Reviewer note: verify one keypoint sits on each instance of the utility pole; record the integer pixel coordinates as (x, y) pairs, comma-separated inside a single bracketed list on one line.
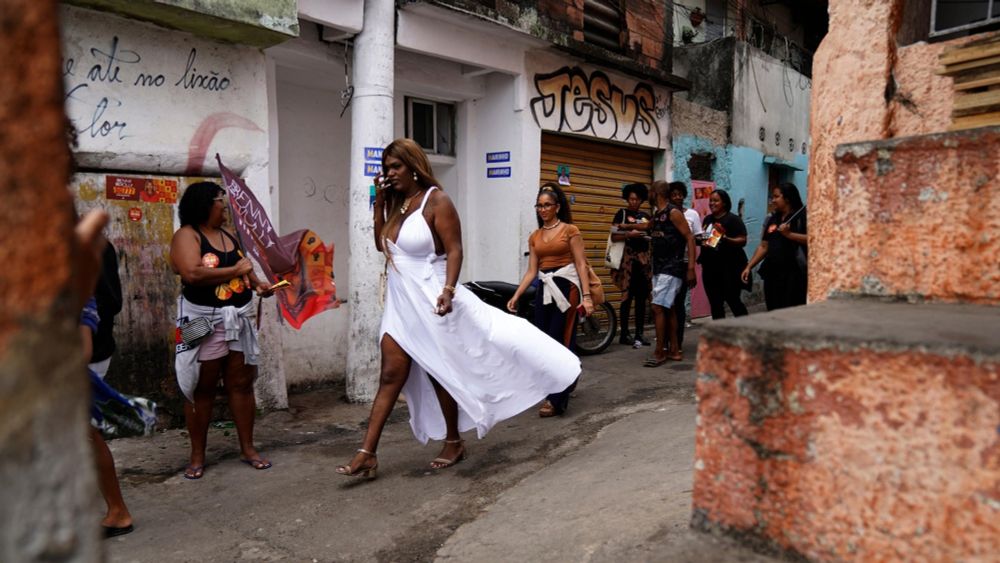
[(371, 126)]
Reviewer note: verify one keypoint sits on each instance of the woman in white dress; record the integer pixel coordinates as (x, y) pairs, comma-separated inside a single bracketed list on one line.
[(463, 364)]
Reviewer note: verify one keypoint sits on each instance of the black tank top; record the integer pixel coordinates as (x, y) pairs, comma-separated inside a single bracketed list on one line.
[(232, 293)]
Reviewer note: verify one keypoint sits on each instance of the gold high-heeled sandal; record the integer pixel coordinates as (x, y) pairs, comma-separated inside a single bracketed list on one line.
[(446, 463), (363, 471)]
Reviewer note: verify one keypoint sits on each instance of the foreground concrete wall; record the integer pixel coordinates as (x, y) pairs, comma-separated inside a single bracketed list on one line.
[(866, 88), (853, 431), (48, 495), (919, 218)]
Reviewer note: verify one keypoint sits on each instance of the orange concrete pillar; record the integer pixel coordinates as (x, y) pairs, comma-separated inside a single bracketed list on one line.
[(48, 493), (851, 69)]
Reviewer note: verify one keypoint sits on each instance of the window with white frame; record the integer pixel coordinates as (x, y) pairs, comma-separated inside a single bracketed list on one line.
[(432, 125), (950, 16)]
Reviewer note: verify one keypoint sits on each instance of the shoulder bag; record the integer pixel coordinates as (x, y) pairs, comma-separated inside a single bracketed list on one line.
[(614, 251)]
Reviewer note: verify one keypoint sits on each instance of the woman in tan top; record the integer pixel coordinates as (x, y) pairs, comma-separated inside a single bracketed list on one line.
[(558, 265)]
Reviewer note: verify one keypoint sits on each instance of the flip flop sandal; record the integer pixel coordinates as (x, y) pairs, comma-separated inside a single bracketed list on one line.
[(654, 363), (111, 531), (194, 472), (259, 464)]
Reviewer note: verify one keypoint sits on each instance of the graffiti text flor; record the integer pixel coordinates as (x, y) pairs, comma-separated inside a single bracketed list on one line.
[(569, 101)]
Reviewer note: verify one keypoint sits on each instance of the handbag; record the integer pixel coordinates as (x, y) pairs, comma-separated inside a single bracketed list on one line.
[(595, 286), (614, 252), (195, 330)]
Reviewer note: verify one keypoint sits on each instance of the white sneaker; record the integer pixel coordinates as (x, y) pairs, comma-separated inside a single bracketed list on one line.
[(637, 344)]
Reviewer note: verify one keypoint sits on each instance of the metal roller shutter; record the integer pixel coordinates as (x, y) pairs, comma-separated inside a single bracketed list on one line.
[(597, 173)]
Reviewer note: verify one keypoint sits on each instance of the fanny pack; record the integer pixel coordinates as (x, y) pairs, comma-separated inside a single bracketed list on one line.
[(196, 329)]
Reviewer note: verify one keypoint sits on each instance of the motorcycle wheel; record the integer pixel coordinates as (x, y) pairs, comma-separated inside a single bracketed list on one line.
[(595, 333)]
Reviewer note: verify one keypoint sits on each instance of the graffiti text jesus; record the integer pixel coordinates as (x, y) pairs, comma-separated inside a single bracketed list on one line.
[(569, 101)]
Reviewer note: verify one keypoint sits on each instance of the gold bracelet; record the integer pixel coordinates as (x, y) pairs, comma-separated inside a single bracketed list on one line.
[(449, 288)]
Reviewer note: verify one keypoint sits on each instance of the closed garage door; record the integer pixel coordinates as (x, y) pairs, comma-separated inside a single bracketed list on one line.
[(597, 172)]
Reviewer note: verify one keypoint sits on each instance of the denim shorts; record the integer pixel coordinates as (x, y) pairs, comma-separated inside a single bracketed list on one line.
[(665, 289)]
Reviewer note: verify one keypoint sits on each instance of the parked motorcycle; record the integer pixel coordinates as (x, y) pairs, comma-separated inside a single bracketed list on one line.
[(593, 334)]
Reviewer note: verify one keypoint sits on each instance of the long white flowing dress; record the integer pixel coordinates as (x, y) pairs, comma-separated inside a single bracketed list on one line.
[(493, 363)]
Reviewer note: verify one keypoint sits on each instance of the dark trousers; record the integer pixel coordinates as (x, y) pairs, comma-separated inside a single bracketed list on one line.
[(562, 327), (638, 293), (784, 288), (680, 311), (723, 286)]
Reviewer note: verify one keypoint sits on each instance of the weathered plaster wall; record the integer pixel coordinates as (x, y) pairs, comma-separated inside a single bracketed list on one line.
[(696, 120), (853, 431), (147, 99), (250, 22), (770, 105), (919, 217), (48, 493), (922, 101)]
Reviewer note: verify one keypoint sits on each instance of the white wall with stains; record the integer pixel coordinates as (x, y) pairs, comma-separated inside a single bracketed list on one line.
[(148, 101)]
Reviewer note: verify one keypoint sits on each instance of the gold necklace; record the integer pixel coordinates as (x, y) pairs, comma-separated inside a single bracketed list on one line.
[(556, 224), (406, 204)]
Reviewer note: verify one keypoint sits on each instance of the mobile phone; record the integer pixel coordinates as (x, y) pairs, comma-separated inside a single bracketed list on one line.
[(581, 312)]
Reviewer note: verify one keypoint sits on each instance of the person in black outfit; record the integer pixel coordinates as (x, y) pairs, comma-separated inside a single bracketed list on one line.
[(109, 304), (784, 244), (634, 273), (721, 266)]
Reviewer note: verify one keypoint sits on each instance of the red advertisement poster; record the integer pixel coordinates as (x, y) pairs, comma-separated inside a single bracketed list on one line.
[(123, 188), (159, 190)]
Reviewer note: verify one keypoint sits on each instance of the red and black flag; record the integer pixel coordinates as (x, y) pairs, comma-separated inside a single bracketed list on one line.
[(300, 258)]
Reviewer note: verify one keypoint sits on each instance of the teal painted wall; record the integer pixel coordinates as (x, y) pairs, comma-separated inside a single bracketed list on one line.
[(741, 172)]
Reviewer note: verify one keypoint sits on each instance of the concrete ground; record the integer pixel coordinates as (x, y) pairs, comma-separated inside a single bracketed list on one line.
[(610, 481)]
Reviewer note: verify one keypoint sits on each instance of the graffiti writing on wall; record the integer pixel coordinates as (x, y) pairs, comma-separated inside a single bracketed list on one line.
[(99, 81), (570, 101)]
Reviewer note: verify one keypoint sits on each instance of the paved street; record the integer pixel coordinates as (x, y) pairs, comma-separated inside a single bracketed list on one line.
[(610, 481)]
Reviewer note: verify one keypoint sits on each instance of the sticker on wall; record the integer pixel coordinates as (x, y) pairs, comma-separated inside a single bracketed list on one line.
[(493, 157), (373, 153), (562, 174), (372, 169), (135, 214), (122, 188), (498, 172), (159, 190)]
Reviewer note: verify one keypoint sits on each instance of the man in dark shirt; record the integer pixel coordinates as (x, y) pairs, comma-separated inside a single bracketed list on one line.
[(673, 257)]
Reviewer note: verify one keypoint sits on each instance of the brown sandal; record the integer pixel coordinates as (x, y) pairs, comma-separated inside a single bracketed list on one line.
[(546, 410)]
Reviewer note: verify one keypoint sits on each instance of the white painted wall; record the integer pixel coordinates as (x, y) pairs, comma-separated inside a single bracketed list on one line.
[(144, 98), (313, 146), (768, 94), (568, 97)]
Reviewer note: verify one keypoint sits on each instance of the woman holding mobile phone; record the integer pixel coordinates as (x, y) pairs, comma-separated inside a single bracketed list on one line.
[(463, 364), (556, 259)]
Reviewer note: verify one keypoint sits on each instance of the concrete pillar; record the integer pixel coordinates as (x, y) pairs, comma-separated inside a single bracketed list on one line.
[(371, 126), (49, 508)]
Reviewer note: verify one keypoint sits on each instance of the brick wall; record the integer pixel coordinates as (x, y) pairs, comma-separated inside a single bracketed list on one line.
[(647, 25)]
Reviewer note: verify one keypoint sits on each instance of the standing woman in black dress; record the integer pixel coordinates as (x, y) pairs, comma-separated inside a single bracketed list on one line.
[(634, 274), (784, 270), (721, 265)]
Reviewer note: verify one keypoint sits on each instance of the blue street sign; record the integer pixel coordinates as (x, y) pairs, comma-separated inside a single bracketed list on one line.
[(497, 157), (498, 172), (373, 153), (372, 168)]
